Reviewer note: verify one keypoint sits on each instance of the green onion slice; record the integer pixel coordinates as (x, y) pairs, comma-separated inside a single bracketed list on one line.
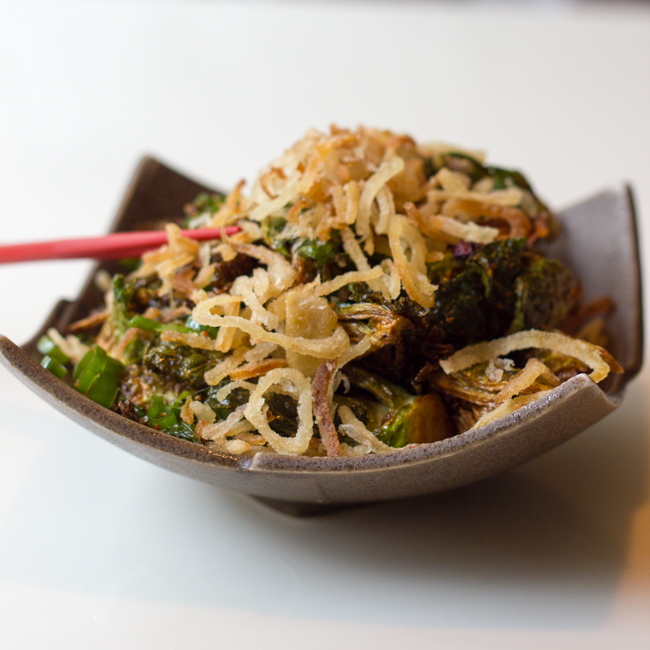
[(47, 346), (98, 376), (162, 423), (180, 400), (104, 390), (154, 326), (164, 416), (193, 326), (54, 366), (190, 327), (95, 362), (160, 415), (157, 406)]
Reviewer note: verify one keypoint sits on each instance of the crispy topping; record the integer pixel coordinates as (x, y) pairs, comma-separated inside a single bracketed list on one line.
[(356, 247), (322, 391), (592, 355), (290, 382)]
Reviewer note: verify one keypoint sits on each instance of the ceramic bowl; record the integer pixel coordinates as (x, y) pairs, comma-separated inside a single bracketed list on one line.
[(598, 242)]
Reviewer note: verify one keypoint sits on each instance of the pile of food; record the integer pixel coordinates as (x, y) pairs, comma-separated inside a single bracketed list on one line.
[(379, 294)]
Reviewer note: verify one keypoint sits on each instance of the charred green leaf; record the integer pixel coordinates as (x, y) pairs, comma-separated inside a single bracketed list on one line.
[(225, 273), (402, 418), (180, 364), (225, 407), (475, 299), (545, 294)]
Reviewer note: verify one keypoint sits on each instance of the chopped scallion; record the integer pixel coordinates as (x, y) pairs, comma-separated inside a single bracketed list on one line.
[(160, 415), (98, 376), (193, 326), (47, 346), (54, 366), (151, 325)]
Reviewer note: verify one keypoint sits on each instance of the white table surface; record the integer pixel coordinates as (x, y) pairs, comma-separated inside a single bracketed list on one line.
[(101, 550)]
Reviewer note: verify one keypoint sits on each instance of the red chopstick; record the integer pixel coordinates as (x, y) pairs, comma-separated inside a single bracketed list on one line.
[(116, 246)]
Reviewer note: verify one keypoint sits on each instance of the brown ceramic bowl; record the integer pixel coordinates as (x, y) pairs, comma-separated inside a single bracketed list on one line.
[(598, 242)]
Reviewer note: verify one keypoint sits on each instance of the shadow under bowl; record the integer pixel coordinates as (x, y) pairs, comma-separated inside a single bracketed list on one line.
[(598, 242)]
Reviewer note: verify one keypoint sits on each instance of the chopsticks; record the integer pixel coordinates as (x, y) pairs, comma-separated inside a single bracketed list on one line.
[(119, 245)]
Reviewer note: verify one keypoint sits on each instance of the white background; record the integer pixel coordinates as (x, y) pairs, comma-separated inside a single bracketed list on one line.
[(101, 550)]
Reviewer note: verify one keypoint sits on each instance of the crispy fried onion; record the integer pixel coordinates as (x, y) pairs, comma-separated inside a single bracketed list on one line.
[(223, 392), (229, 305), (233, 425), (339, 203), (324, 385), (89, 322), (525, 378), (370, 190), (226, 335), (192, 340), (206, 273), (404, 236), (386, 204), (289, 194), (223, 369), (509, 406), (509, 197), (118, 349), (392, 279), (325, 348), (592, 355), (262, 285), (281, 273), (355, 429), (256, 368), (169, 258), (260, 351), (352, 202), (71, 346), (186, 414), (355, 351), (231, 207), (309, 317), (293, 383), (266, 180), (352, 248), (251, 229), (202, 412), (451, 181), (346, 278), (470, 232), (243, 286), (518, 221), (227, 252), (322, 390)]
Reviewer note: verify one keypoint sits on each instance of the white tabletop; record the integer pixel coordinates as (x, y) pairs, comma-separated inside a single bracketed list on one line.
[(101, 550)]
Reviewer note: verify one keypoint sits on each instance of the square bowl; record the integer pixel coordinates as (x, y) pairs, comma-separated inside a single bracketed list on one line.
[(598, 241)]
